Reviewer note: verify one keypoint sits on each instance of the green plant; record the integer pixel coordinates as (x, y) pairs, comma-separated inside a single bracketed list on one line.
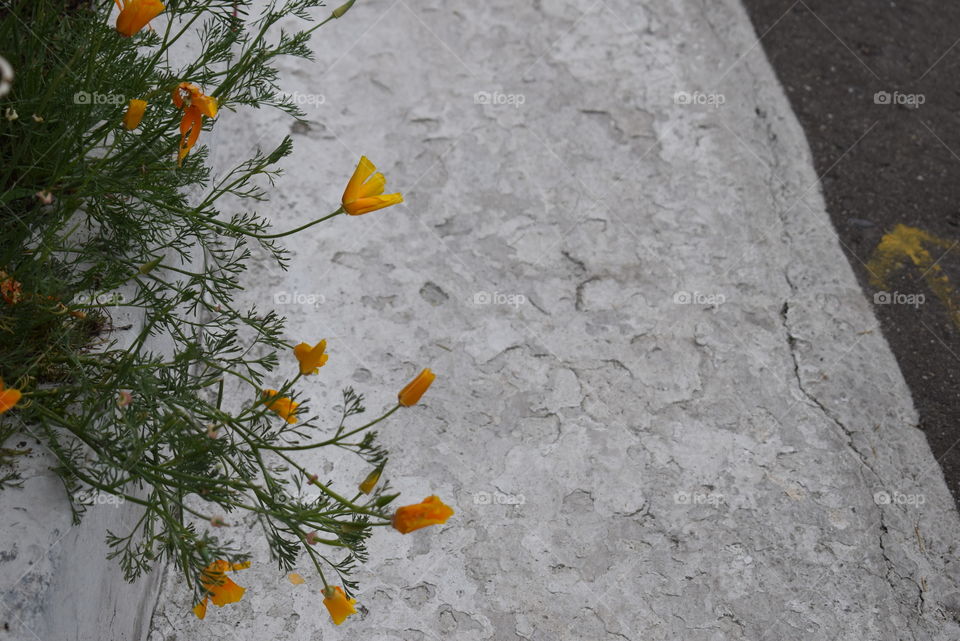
[(99, 218)]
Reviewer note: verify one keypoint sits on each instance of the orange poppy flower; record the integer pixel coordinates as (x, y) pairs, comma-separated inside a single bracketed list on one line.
[(311, 358), (8, 397), (284, 406), (221, 590), (411, 394), (195, 105), (338, 605), (362, 195), (430, 511), (135, 14)]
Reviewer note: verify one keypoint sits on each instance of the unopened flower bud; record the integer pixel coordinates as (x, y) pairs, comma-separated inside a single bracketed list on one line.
[(146, 268), (385, 499), (370, 482), (342, 9)]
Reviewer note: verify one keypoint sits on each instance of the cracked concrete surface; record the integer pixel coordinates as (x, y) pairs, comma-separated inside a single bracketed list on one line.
[(664, 409)]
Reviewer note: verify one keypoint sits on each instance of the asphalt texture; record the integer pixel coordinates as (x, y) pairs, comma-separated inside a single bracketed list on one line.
[(886, 160)]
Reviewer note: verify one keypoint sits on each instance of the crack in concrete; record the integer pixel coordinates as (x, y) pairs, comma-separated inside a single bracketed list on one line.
[(848, 433)]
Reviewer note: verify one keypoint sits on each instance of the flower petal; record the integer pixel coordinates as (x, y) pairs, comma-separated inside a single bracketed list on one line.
[(360, 175), (371, 203), (373, 187), (430, 511), (200, 609), (338, 605), (9, 398), (136, 14)]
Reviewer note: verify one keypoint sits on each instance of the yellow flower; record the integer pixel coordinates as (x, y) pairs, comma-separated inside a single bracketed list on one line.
[(8, 397), (284, 406), (295, 578), (220, 588), (311, 358), (134, 113), (430, 511), (338, 605), (195, 105), (411, 394), (363, 196), (135, 14)]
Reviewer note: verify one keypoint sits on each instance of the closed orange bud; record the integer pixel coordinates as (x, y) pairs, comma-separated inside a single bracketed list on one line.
[(134, 114), (411, 394)]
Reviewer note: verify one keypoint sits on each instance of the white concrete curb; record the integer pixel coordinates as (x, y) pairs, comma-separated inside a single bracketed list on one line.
[(616, 256)]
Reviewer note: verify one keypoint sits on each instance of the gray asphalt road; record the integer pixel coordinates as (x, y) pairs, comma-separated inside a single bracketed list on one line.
[(874, 86)]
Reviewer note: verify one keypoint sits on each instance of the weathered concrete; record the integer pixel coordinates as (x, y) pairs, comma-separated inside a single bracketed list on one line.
[(56, 583), (643, 326)]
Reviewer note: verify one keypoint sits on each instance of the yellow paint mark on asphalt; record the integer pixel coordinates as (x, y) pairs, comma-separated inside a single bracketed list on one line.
[(906, 245)]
